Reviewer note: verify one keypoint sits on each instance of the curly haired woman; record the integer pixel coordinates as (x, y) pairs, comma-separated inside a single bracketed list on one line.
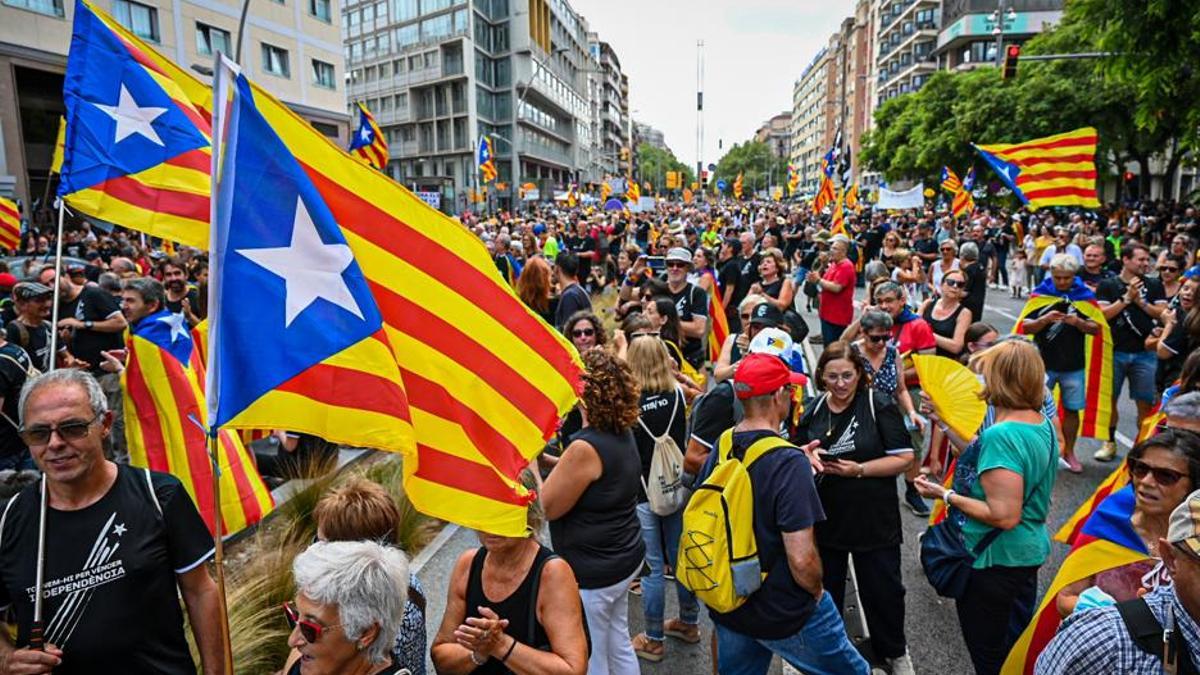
[(591, 500)]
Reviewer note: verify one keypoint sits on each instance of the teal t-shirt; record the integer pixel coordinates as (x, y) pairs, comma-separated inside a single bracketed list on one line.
[(1032, 451)]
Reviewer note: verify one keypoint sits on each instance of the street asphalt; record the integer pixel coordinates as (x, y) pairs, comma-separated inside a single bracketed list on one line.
[(932, 628)]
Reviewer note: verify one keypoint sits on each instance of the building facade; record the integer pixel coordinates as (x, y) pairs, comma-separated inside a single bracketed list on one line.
[(906, 36), (613, 148), (777, 134), (654, 137), (440, 74), (809, 120), (292, 48), (967, 38)]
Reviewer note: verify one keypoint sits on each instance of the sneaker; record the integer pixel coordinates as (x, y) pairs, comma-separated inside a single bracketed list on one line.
[(901, 665), (916, 503), (1106, 453)]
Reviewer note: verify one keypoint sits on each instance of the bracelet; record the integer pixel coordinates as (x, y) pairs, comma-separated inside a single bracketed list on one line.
[(475, 660), (946, 497), (510, 651), (862, 470)]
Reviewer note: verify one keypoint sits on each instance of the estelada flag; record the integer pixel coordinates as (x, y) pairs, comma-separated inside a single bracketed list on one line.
[(1057, 170), (10, 224), (632, 192), (487, 160), (1097, 413), (368, 142), (718, 323), (1107, 541), (964, 202), (375, 317), (137, 146), (838, 224), (825, 194), (950, 181), (165, 419)]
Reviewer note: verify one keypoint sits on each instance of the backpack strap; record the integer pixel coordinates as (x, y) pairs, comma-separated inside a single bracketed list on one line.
[(674, 409), (1148, 634), (724, 445), (763, 446)]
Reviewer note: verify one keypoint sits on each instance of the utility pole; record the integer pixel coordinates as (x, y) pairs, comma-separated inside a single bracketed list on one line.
[(1000, 17), (699, 107)]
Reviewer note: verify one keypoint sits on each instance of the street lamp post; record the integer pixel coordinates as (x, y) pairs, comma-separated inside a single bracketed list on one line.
[(1001, 18)]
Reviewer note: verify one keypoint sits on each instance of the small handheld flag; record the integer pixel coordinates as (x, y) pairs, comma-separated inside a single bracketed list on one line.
[(487, 161), (632, 192), (737, 186), (964, 202), (10, 224), (368, 142)]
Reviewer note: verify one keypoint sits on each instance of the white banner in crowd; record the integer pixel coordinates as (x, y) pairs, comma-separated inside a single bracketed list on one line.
[(909, 199), (433, 199)]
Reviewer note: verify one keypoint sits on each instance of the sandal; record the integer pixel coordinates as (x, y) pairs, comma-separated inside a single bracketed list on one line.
[(645, 648), (688, 632)]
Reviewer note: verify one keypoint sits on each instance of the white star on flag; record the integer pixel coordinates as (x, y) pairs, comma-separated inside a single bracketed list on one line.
[(310, 268), (132, 119), (366, 134), (177, 323)]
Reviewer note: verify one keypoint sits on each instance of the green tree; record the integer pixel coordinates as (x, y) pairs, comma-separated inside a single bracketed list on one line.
[(759, 167), (654, 163)]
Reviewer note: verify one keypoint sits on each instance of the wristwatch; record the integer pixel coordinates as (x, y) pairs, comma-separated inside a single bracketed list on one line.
[(88, 325)]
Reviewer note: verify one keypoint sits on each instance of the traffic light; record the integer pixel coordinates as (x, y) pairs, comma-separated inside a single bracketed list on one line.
[(704, 179), (1011, 54)]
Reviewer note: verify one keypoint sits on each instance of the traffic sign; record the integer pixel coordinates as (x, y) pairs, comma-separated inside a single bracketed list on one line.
[(721, 185)]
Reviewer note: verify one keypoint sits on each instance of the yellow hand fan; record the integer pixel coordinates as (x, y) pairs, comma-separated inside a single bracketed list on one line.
[(954, 390)]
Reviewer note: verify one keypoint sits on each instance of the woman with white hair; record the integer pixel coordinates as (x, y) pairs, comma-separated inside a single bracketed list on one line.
[(349, 605)]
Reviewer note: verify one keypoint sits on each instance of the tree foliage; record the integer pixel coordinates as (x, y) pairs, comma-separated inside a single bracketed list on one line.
[(654, 163), (917, 133), (759, 166)]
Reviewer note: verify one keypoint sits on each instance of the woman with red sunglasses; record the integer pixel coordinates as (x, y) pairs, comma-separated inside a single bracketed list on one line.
[(1163, 470), (348, 609)]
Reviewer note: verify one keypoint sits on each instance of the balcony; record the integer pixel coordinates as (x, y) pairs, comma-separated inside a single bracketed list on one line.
[(889, 25)]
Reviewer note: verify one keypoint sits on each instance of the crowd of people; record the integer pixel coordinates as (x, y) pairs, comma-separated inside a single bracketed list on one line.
[(691, 322)]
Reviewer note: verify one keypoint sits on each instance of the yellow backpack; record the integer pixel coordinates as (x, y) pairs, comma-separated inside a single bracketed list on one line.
[(718, 554)]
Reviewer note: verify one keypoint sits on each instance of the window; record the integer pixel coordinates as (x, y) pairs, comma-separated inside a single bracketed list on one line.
[(210, 40), (50, 7), (431, 59), (275, 60), (415, 63), (385, 70), (405, 36), (141, 20), (320, 9), (323, 75), (404, 10)]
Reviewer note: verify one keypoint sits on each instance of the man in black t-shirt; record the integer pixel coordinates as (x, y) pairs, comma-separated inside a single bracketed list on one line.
[(1094, 270), (571, 296), (31, 329), (691, 303), (583, 245), (975, 271), (747, 260), (729, 276), (790, 614), (94, 324), (180, 298), (1132, 303), (125, 544), (1059, 332), (15, 368)]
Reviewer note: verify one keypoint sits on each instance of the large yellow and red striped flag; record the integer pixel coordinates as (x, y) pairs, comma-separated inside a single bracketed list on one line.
[(825, 194), (963, 203), (165, 418), (718, 323), (950, 181), (369, 142), (1057, 170), (411, 330), (138, 129), (1107, 541), (1098, 360), (10, 224), (837, 224)]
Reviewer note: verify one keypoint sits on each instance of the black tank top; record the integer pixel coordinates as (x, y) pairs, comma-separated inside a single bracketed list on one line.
[(774, 288), (520, 608), (600, 536), (944, 327)]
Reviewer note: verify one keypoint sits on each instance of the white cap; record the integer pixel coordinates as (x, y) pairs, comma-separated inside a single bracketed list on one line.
[(773, 341)]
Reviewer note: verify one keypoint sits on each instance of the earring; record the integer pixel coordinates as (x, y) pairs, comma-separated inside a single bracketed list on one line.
[(358, 646)]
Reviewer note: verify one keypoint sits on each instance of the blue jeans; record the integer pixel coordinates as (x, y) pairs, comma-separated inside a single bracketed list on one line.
[(822, 646), (831, 332), (662, 533), (1072, 388), (1140, 368)]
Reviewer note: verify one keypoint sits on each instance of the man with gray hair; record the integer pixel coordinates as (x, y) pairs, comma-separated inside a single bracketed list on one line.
[(124, 545), (1183, 412), (1059, 330), (976, 274)]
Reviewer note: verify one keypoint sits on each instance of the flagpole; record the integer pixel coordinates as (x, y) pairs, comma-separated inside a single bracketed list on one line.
[(221, 92), (36, 636)]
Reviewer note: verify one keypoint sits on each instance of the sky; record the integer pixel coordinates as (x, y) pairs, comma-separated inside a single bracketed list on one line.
[(754, 50)]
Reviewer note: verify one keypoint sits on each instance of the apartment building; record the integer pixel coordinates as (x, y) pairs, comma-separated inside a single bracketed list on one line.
[(809, 120), (906, 36), (968, 36)]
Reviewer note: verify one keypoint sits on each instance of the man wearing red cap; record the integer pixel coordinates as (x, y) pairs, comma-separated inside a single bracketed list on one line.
[(790, 614)]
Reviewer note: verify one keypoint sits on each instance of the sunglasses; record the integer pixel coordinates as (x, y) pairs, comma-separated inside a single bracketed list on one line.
[(583, 332), (955, 284), (878, 338), (72, 430), (309, 630), (1164, 477), (1167, 268), (676, 264), (638, 335)]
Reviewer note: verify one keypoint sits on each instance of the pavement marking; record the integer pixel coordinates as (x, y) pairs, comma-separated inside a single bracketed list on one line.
[(1121, 438), (427, 553)]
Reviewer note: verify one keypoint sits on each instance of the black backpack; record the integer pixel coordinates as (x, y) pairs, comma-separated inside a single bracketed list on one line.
[(1148, 634)]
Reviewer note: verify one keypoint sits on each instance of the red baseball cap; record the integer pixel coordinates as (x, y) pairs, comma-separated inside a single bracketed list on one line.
[(762, 374), (7, 280)]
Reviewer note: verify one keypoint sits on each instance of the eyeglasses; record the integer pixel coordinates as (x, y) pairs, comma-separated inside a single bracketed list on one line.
[(1187, 551), (676, 264), (878, 338), (954, 284), (1164, 477), (309, 630), (71, 430), (1168, 268), (839, 377), (583, 332)]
